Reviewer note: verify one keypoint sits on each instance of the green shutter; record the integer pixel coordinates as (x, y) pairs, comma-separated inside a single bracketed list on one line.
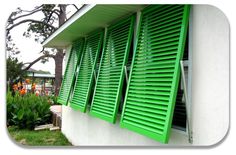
[(85, 76), (154, 77), (111, 72), (71, 66)]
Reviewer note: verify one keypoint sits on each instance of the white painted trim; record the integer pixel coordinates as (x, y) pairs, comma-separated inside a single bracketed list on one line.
[(75, 17)]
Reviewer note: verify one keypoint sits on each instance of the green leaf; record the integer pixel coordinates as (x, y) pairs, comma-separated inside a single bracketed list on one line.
[(20, 114)]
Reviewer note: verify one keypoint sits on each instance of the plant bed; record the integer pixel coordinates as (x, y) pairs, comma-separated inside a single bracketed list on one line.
[(38, 138), (27, 111)]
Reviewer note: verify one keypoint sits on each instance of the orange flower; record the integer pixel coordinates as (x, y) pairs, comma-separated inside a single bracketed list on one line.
[(27, 81), (15, 87), (23, 91)]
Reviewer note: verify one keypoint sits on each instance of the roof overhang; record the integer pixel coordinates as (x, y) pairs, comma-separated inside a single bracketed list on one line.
[(89, 18), (38, 75)]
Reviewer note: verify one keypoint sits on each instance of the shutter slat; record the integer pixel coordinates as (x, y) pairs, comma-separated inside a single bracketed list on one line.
[(146, 114), (154, 76)]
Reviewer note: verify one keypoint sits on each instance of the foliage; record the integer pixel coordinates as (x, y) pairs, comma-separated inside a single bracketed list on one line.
[(14, 69), (53, 100), (38, 138), (53, 17), (42, 29), (28, 110)]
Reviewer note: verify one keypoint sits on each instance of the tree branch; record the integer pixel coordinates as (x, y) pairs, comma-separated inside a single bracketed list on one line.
[(30, 20), (36, 60), (34, 11), (75, 7), (54, 11), (57, 11), (37, 7)]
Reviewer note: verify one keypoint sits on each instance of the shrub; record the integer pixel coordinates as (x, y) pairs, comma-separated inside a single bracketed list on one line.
[(53, 100), (28, 110)]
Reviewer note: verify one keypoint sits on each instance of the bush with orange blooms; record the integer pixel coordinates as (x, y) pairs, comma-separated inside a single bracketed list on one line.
[(27, 111)]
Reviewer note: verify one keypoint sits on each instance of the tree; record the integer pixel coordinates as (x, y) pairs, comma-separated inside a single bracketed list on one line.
[(53, 17), (14, 70)]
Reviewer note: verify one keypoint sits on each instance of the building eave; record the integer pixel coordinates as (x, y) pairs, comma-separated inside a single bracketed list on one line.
[(89, 18)]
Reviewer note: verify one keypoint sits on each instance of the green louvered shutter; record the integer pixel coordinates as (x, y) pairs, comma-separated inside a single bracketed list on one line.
[(71, 67), (111, 72), (85, 76), (154, 77)]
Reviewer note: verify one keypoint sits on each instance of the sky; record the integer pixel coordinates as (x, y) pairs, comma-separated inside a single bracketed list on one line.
[(28, 47)]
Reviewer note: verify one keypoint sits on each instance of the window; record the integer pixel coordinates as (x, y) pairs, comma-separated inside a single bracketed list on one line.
[(109, 83), (155, 71), (86, 71), (69, 74), (153, 93)]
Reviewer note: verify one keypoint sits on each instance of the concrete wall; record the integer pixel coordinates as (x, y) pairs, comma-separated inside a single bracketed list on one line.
[(83, 129), (210, 75), (209, 45)]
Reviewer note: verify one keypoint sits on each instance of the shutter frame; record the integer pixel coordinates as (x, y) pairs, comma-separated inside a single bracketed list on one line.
[(101, 115), (77, 48), (72, 103), (169, 114)]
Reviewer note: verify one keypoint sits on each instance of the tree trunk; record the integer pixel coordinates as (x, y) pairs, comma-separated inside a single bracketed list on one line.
[(59, 55), (62, 15), (58, 70)]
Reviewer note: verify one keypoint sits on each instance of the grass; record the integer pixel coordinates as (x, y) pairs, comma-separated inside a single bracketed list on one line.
[(38, 138)]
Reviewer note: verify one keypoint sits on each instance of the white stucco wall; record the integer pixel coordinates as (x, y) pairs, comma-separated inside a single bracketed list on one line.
[(83, 129), (209, 100), (210, 75)]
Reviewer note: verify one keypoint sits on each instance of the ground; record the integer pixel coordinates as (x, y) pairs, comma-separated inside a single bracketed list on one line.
[(38, 138)]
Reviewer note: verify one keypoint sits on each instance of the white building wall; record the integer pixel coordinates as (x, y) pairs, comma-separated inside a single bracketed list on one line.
[(210, 93), (210, 75), (83, 129)]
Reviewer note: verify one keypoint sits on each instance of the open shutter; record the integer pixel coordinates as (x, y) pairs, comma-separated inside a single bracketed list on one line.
[(69, 75), (154, 76), (86, 73), (111, 71)]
